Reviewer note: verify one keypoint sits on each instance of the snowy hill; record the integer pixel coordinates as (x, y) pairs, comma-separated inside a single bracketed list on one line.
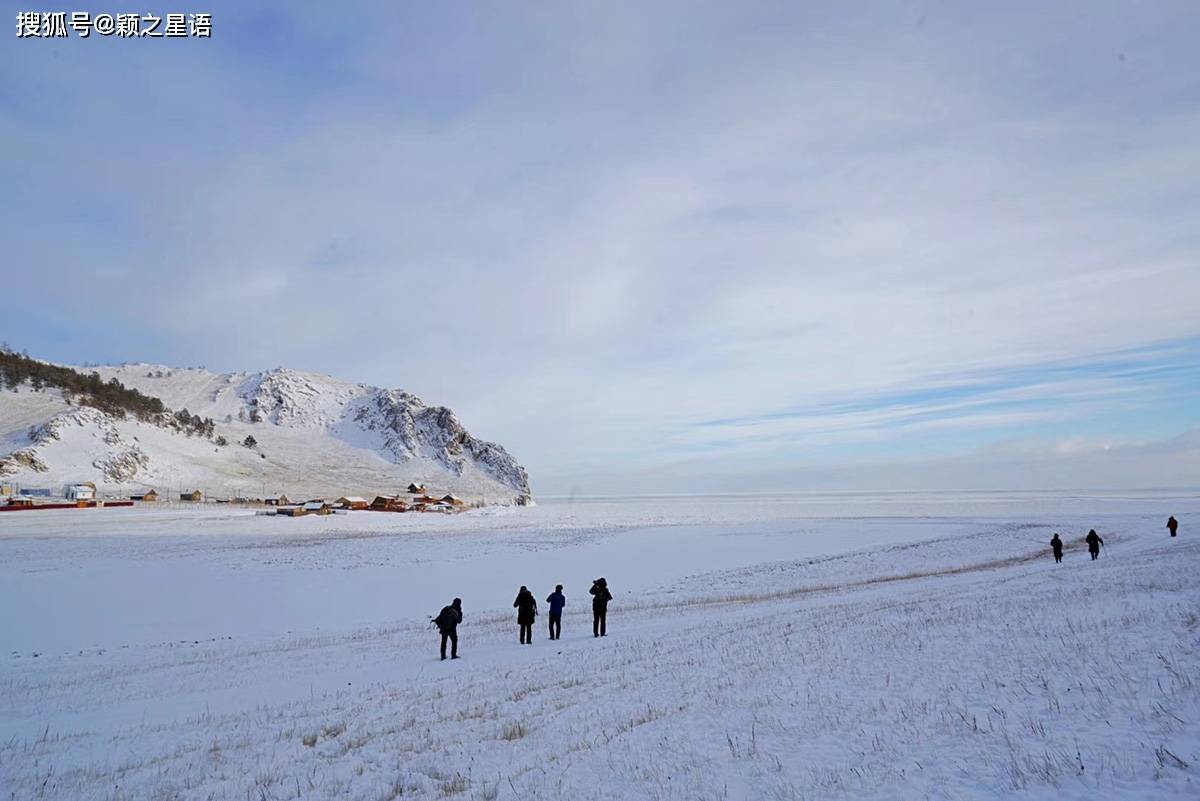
[(310, 435)]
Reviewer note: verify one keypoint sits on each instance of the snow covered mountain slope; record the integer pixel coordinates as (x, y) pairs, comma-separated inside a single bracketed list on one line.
[(278, 431)]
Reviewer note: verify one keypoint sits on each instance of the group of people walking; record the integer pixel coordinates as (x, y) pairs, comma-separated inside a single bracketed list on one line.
[(1094, 540), (526, 605)]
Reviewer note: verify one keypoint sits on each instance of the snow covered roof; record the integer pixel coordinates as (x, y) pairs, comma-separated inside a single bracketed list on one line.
[(314, 505), (352, 499)]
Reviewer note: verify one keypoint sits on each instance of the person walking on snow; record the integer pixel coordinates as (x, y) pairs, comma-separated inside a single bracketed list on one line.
[(1056, 545), (557, 601), (1172, 525), (447, 622), (1094, 542), (526, 606), (600, 598)]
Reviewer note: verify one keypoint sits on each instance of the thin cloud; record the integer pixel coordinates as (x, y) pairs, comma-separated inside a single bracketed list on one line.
[(618, 222)]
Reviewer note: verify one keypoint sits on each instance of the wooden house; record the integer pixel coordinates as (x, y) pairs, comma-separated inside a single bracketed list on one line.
[(416, 489), (352, 502), (388, 503), (149, 496), (277, 500), (317, 508), (291, 511), (194, 496), (453, 500)]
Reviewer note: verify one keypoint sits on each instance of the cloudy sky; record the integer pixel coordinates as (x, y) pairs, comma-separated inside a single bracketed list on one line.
[(647, 246)]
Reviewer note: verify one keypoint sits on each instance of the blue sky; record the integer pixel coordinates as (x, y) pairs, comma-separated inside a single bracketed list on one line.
[(652, 246)]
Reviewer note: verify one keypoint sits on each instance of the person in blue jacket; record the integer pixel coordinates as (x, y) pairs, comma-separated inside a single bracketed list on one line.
[(557, 601)]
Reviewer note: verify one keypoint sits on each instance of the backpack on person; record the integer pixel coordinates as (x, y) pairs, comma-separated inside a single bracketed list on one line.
[(445, 619)]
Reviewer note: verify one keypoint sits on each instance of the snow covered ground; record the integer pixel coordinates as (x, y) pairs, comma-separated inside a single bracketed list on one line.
[(794, 647)]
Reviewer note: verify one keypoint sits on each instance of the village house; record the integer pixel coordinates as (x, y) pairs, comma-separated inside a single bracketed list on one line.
[(453, 500), (317, 508), (80, 492), (149, 496), (388, 503), (416, 489), (277, 500), (352, 502), (194, 496), (291, 511)]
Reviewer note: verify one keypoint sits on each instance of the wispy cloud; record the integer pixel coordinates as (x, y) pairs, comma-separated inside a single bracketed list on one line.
[(624, 234)]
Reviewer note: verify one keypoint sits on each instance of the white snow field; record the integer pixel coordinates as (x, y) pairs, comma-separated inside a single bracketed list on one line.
[(832, 647)]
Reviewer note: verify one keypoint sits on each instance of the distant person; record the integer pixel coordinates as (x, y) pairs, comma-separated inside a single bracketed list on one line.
[(600, 598), (526, 606), (556, 600), (1056, 546), (447, 622), (1172, 525), (1094, 542)]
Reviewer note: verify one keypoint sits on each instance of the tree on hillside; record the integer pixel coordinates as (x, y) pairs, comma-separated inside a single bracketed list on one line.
[(250, 441)]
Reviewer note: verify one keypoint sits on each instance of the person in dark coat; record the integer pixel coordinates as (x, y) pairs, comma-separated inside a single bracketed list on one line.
[(447, 622), (1056, 546), (1094, 542), (1172, 525), (600, 598), (526, 606), (556, 601)]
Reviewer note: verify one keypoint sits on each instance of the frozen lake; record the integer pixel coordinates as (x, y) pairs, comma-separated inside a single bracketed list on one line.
[(87, 579)]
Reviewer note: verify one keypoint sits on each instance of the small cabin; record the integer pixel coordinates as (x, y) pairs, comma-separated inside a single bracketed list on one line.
[(291, 511), (388, 503), (194, 496), (317, 508), (149, 496), (80, 492), (416, 489), (277, 500), (352, 502), (453, 500)]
